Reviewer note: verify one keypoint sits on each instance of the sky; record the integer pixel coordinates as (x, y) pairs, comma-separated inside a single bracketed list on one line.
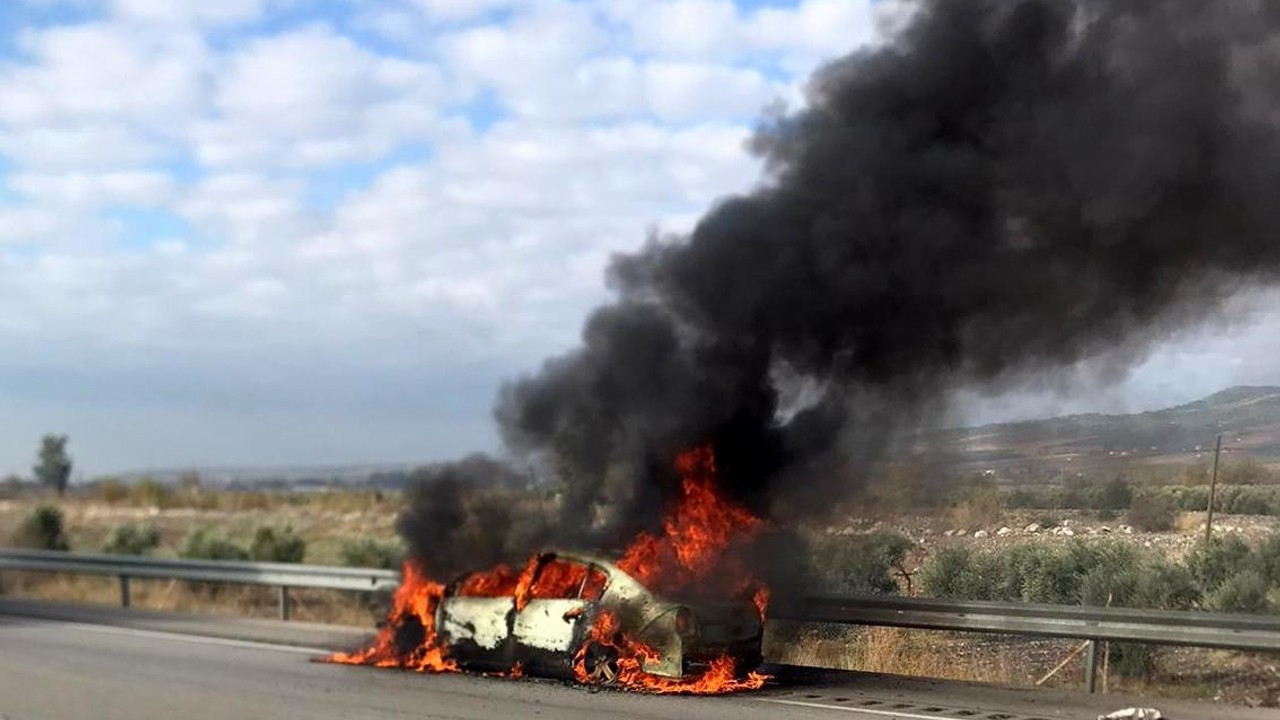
[(281, 232)]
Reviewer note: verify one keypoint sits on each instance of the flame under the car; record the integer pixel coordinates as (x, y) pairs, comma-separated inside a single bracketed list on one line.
[(692, 552)]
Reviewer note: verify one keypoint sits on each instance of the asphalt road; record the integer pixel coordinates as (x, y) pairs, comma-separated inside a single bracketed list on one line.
[(63, 662)]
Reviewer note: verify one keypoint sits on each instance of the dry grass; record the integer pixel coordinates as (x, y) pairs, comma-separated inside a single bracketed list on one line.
[(979, 507), (893, 651), (1186, 522), (324, 520)]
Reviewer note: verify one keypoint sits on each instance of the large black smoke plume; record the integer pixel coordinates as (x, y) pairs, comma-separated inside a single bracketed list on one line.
[(1006, 187)]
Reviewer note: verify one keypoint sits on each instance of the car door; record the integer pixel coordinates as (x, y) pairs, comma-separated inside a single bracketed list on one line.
[(554, 618), (477, 630)]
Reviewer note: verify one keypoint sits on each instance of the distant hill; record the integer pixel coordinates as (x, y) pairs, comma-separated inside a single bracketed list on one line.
[(1248, 417)]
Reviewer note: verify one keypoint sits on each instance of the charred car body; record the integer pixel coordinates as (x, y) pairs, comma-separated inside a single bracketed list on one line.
[(550, 628)]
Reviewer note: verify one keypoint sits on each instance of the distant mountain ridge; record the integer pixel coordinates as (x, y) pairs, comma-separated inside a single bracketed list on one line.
[(1248, 417)]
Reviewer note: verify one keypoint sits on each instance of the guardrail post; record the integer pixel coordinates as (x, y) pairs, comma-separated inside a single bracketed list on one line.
[(1091, 668), (124, 591), (284, 602)]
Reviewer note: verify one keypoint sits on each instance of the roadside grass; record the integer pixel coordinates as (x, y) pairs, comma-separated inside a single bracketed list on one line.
[(891, 651), (1181, 673)]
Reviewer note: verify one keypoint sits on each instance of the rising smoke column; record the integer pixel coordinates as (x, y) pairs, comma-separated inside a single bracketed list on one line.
[(1006, 187)]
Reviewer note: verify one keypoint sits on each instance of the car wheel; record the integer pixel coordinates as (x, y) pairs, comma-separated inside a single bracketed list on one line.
[(602, 665)]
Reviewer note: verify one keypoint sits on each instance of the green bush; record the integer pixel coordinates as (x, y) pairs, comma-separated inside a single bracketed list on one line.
[(1165, 586), (1022, 498), (132, 540), (203, 545), (1131, 659), (371, 553), (1232, 499), (1116, 494), (1211, 564), (42, 530), (858, 564), (956, 572), (1267, 558), (1243, 592), (277, 545)]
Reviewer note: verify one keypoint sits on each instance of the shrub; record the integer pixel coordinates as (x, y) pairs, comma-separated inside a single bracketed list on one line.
[(980, 505), (1165, 586), (203, 545), (371, 553), (1023, 498), (277, 545), (1249, 501), (955, 572), (132, 540), (1151, 513), (1028, 573), (1047, 521), (1243, 592), (1268, 559), (150, 492), (859, 564), (1211, 564), (1104, 586), (1131, 660), (42, 530), (112, 491), (1116, 495)]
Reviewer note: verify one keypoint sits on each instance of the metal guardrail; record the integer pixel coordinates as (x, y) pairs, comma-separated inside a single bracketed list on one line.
[(1228, 631), (281, 575), (1095, 624)]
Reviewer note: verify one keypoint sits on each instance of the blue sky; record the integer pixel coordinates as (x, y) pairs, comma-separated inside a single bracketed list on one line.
[(260, 232)]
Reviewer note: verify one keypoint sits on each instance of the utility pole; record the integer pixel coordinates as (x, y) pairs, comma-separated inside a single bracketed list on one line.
[(1213, 490)]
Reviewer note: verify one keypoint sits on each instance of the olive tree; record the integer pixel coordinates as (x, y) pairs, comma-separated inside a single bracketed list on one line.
[(54, 467)]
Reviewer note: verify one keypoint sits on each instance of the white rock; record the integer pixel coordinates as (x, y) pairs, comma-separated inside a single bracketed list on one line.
[(961, 533), (1104, 530), (949, 533), (1032, 528), (981, 534), (1003, 532)]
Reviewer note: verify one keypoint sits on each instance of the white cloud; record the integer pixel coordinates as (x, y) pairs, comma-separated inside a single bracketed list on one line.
[(210, 12), (696, 29), (688, 91), (247, 208), (463, 9), (103, 73), (136, 187), (311, 97)]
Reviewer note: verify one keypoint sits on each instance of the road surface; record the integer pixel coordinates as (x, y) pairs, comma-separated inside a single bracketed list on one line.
[(62, 662)]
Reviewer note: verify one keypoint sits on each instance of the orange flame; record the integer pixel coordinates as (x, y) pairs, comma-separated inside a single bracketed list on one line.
[(415, 601), (699, 536), (694, 551), (720, 677)]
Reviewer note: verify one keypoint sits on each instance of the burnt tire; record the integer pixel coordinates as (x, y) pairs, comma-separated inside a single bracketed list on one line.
[(601, 664)]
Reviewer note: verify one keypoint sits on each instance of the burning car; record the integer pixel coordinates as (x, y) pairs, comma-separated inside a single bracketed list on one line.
[(548, 628), (678, 612)]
